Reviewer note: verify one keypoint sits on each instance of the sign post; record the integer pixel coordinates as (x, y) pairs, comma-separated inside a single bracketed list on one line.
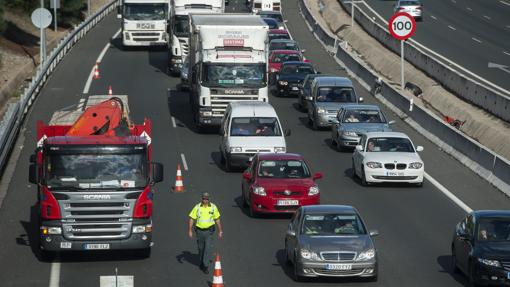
[(402, 26), (41, 18), (55, 4)]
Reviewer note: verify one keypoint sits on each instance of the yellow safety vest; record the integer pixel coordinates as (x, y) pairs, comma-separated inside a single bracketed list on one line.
[(204, 216)]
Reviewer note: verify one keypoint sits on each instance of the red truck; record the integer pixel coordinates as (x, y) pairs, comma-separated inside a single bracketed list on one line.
[(95, 179)]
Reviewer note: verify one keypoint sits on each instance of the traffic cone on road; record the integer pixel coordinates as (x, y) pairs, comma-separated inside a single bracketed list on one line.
[(96, 71), (110, 92), (217, 275), (179, 186)]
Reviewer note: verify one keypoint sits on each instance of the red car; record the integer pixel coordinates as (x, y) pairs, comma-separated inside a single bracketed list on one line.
[(278, 34), (279, 183), (277, 57)]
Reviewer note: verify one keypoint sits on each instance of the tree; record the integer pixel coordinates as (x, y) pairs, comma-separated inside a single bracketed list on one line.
[(2, 21), (71, 11)]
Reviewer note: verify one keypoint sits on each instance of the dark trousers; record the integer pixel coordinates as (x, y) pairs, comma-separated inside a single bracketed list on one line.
[(205, 246)]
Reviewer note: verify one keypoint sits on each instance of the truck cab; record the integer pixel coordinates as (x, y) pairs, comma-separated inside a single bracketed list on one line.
[(264, 5)]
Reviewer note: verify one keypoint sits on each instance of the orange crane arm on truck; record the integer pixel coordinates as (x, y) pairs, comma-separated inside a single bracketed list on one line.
[(106, 118)]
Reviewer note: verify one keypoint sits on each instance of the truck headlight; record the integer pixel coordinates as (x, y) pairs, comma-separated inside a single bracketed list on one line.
[(415, 165), (279, 149), (313, 190), (206, 113), (142, 228), (259, 190), (310, 255), (366, 255), (374, 164), (236, 149), (488, 262), (126, 35), (350, 134), (283, 83), (45, 230), (321, 110)]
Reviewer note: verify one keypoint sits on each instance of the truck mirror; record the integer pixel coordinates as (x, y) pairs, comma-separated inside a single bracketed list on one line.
[(32, 173), (119, 16), (157, 172)]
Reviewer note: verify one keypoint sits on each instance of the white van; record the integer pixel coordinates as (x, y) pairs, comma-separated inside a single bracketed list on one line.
[(248, 128), (264, 5)]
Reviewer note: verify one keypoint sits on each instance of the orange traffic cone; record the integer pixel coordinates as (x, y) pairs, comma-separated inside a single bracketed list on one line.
[(110, 92), (96, 71), (179, 186), (217, 275)]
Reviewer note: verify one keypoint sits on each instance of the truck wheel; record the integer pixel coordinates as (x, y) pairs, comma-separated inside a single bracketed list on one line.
[(228, 165)]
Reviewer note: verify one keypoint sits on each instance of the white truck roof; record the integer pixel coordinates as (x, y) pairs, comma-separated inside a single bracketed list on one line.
[(252, 109), (147, 1), (185, 7), (230, 30)]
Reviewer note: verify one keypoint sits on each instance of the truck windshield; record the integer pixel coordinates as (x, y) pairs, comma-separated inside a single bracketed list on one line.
[(255, 126), (154, 11), (234, 75), (181, 26), (96, 171)]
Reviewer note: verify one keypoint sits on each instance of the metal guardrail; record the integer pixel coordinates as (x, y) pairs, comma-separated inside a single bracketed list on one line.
[(489, 165), (17, 112)]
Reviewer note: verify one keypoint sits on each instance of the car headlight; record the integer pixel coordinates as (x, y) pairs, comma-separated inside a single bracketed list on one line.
[(488, 262), (313, 190), (279, 149), (236, 149), (310, 255), (321, 110), (374, 164), (259, 190), (206, 113), (350, 134), (283, 83), (273, 70), (45, 230), (142, 228), (366, 255), (415, 165)]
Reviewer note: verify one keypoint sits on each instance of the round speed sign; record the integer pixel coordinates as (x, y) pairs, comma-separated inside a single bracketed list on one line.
[(402, 26)]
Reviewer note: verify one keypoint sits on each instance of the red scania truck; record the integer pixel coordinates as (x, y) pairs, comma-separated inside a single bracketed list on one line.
[(95, 179)]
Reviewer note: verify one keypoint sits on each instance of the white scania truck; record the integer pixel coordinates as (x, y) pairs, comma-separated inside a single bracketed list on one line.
[(144, 22), (228, 63), (179, 42)]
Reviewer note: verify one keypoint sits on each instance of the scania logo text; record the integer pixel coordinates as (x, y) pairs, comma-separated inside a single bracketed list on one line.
[(96, 196), (234, 92)]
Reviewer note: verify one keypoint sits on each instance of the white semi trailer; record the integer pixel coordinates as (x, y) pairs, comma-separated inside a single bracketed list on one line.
[(228, 62)]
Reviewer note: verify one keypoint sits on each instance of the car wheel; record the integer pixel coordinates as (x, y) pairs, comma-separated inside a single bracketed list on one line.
[(315, 127), (143, 253), (47, 256), (372, 279), (455, 268), (471, 276), (419, 184), (287, 260), (339, 147), (353, 170), (243, 196), (295, 273), (253, 213), (222, 158), (364, 181), (228, 165)]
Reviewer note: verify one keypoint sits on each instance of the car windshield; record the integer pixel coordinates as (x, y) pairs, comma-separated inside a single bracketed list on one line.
[(283, 45), (332, 224), (145, 11), (255, 126), (297, 69), (336, 94), (494, 229), (282, 57), (234, 75), (283, 169), (410, 3), (389, 144), (273, 36), (363, 116), (181, 25), (96, 170)]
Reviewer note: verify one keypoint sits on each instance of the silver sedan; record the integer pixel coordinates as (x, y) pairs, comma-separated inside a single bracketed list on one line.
[(411, 7)]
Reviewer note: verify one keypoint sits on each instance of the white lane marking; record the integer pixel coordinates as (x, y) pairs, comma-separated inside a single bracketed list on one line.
[(474, 39), (505, 3), (469, 9), (508, 26), (486, 17), (453, 28), (506, 53), (89, 81), (116, 34), (453, 1), (99, 58), (173, 123), (101, 55), (55, 274), (446, 192), (184, 163), (433, 17)]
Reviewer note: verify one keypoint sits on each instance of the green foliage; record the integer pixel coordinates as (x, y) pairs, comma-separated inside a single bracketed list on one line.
[(25, 5), (70, 11), (2, 21)]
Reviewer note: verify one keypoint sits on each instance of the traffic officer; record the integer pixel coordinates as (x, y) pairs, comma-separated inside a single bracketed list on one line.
[(204, 217)]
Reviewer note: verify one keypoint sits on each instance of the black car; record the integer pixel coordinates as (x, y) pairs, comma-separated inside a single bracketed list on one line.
[(272, 23), (304, 89), (273, 14), (481, 247), (291, 76)]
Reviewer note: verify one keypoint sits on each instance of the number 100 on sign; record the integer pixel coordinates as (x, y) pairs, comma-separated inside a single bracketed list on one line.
[(402, 26)]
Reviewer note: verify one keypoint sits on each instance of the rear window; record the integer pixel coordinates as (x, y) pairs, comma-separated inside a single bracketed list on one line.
[(336, 95)]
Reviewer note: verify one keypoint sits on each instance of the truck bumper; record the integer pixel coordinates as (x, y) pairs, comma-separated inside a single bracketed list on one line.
[(59, 243), (175, 65), (206, 118)]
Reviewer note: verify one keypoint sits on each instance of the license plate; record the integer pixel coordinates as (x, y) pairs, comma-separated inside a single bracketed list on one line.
[(288, 202), (96, 246), (394, 173), (294, 88), (339, 266), (65, 245)]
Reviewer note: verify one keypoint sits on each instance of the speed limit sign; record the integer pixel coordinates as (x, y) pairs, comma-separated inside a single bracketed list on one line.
[(402, 26)]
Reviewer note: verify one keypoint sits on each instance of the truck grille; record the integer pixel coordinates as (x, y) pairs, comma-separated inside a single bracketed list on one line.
[(145, 34), (146, 39), (338, 256), (184, 47), (220, 103)]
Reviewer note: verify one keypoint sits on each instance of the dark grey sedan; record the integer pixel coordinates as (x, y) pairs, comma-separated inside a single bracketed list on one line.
[(330, 240), (353, 121)]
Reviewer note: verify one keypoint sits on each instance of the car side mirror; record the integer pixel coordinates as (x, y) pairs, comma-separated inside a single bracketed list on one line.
[(319, 72), (157, 172), (360, 99), (119, 16), (335, 121), (290, 231), (309, 98), (303, 51), (285, 21), (246, 175), (287, 132), (32, 173), (359, 147), (419, 148), (373, 233), (391, 122), (317, 175)]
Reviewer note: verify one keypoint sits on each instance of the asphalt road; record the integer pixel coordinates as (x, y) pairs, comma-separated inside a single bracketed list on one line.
[(471, 33), (415, 224)]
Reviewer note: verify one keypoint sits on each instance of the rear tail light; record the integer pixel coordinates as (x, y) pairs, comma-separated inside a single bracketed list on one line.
[(401, 9), (143, 206), (49, 206), (418, 8)]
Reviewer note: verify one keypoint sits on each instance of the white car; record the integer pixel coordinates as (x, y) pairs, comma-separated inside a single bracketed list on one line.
[(387, 157), (411, 7)]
